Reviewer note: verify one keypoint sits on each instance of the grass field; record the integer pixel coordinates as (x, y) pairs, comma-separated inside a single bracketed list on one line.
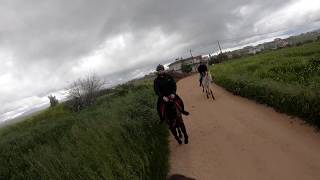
[(287, 79), (117, 138)]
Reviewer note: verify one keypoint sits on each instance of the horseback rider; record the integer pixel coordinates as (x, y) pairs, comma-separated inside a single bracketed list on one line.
[(165, 87), (202, 69)]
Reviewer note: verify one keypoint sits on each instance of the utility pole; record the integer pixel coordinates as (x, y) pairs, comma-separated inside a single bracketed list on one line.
[(219, 47), (191, 53)]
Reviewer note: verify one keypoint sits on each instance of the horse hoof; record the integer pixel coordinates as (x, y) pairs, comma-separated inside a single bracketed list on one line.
[(186, 141), (179, 141)]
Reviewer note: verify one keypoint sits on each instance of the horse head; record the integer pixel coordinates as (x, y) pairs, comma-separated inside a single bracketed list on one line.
[(172, 112)]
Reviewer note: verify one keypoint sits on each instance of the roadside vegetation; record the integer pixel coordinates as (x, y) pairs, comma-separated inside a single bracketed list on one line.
[(117, 137), (287, 79)]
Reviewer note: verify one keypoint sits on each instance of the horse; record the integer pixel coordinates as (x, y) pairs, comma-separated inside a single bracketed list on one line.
[(171, 111), (206, 85)]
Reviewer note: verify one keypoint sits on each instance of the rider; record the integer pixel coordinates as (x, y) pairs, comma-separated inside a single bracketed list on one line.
[(165, 87), (202, 69)]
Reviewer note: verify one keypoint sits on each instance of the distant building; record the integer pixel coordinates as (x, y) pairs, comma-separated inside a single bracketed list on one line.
[(236, 53), (270, 46), (193, 61), (248, 50), (275, 44), (205, 58), (281, 43), (259, 48), (229, 54)]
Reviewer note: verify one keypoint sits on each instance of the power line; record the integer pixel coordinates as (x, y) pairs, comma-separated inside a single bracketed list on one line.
[(191, 53)]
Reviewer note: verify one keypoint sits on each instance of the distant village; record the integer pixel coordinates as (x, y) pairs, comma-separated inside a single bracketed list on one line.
[(190, 64)]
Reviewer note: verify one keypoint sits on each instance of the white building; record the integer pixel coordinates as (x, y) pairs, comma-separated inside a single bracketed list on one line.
[(193, 61)]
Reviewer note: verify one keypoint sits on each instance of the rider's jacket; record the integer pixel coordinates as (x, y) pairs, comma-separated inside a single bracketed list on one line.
[(164, 85), (202, 68)]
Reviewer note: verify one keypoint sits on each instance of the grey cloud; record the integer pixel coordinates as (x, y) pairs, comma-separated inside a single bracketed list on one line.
[(49, 38), (70, 29)]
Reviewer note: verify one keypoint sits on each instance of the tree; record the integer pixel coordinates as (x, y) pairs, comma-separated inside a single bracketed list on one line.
[(186, 68), (83, 92), (211, 60), (236, 56), (221, 57), (53, 100)]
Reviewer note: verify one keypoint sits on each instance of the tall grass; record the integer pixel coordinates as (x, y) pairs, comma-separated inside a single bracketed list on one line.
[(117, 138), (287, 79)]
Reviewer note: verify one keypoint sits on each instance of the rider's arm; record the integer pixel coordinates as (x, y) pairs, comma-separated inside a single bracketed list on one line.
[(173, 85), (156, 88)]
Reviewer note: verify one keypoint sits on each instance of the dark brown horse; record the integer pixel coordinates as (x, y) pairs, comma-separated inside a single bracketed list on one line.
[(171, 112)]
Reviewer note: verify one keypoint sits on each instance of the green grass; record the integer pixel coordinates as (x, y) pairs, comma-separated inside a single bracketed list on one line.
[(287, 79), (117, 138)]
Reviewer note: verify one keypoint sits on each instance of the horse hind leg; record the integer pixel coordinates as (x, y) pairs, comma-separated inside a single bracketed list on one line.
[(179, 132), (207, 93), (184, 131), (174, 133), (212, 95)]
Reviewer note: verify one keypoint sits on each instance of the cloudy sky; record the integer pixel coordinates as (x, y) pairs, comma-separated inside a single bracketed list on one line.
[(46, 44)]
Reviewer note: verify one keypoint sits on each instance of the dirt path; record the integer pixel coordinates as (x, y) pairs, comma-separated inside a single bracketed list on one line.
[(234, 138)]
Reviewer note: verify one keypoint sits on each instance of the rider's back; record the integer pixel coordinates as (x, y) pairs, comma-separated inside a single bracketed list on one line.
[(202, 68)]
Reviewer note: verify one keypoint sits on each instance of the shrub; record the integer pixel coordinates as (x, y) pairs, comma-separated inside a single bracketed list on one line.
[(186, 68), (53, 100), (83, 92)]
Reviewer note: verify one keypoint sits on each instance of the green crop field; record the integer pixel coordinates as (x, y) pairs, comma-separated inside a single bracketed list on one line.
[(287, 79)]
